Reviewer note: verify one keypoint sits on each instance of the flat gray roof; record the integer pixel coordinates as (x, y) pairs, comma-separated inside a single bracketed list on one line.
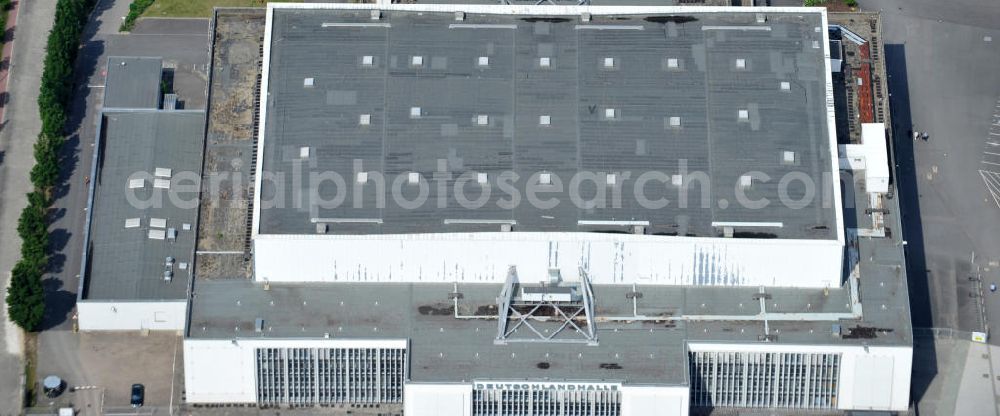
[(443, 348), (133, 82), (622, 63), (125, 263)]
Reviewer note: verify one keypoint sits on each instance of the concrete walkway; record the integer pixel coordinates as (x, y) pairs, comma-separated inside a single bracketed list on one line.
[(17, 136)]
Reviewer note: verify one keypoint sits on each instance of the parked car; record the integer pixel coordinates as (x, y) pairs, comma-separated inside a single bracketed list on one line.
[(138, 395)]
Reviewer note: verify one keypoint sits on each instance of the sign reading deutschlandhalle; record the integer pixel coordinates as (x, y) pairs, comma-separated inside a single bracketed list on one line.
[(566, 386)]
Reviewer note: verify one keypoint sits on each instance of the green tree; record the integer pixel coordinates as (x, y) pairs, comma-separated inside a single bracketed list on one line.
[(26, 297)]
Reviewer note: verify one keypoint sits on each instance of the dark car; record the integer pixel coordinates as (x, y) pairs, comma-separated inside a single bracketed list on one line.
[(138, 395)]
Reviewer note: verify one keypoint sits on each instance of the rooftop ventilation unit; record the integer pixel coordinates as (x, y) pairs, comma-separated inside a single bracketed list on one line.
[(321, 228), (585, 17), (610, 179), (549, 293), (376, 14), (258, 325), (171, 234), (610, 113), (168, 275), (746, 181), (459, 16)]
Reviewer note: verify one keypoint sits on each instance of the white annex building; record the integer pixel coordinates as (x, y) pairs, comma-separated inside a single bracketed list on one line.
[(555, 210)]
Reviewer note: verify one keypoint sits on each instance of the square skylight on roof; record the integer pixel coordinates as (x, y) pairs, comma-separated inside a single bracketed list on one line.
[(544, 120), (368, 60), (413, 178), (362, 177), (483, 61), (545, 62), (746, 181), (675, 121), (786, 86), (304, 152), (414, 112), (417, 60), (610, 113), (365, 119), (676, 180), (610, 179), (545, 178), (743, 115), (788, 157), (308, 82), (609, 63), (482, 119), (481, 177), (741, 63), (672, 63)]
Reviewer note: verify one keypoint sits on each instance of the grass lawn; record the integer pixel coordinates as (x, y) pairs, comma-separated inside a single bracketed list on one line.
[(196, 8)]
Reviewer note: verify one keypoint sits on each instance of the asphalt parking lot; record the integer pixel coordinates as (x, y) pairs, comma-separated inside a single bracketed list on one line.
[(941, 64), (108, 363)]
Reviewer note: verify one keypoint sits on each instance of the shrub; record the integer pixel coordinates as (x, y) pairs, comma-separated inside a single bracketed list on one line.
[(134, 11)]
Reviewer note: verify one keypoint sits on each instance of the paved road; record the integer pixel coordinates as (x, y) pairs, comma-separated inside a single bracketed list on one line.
[(17, 136), (943, 80)]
